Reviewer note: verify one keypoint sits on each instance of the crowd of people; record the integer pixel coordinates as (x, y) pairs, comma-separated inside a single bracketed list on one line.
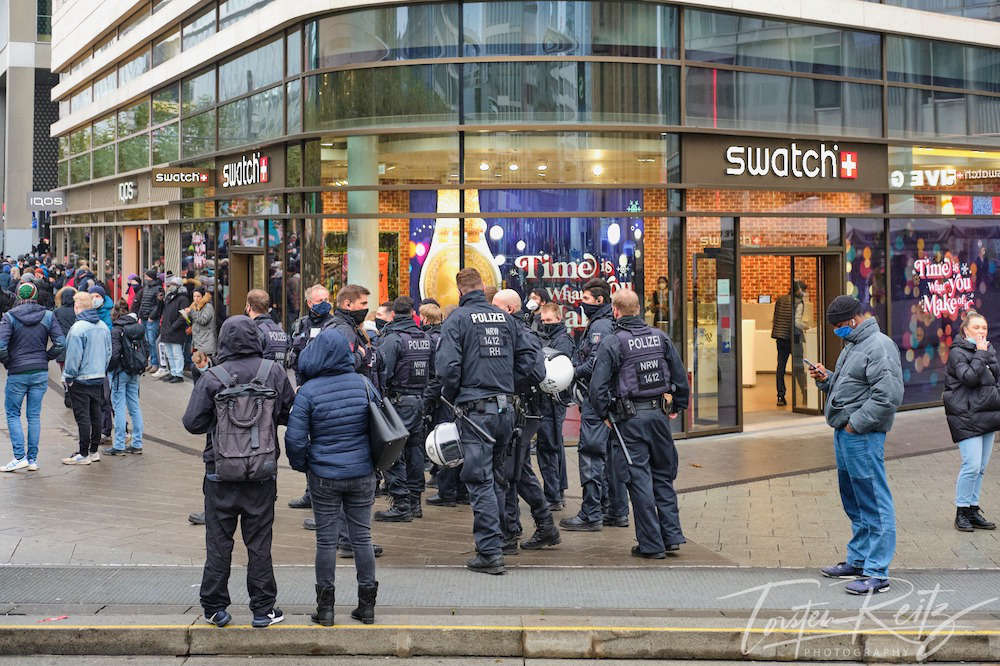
[(486, 366)]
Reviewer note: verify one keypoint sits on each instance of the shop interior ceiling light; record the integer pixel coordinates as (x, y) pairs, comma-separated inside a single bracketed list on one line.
[(484, 166)]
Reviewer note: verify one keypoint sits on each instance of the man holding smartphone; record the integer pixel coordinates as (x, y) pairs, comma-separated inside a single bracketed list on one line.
[(863, 394)]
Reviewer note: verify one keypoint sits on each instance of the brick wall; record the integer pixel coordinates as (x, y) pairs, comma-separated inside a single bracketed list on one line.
[(771, 275)]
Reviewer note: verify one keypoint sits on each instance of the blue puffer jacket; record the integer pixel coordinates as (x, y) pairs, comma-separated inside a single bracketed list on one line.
[(328, 427), (25, 332)]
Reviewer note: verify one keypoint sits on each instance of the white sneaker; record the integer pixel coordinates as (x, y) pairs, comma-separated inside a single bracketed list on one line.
[(76, 459), (162, 372), (95, 457), (14, 465), (32, 466)]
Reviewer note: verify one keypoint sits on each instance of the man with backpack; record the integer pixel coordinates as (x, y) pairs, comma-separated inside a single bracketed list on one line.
[(241, 401), (129, 353), (25, 332)]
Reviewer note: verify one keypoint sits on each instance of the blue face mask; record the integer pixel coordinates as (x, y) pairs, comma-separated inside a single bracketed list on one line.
[(843, 331), (321, 309), (972, 340)]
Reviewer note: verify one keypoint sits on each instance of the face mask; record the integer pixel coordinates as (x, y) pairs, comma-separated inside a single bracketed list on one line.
[(370, 326), (590, 309), (359, 316), (530, 305), (551, 329), (380, 324), (98, 301), (972, 340), (321, 309), (843, 331)]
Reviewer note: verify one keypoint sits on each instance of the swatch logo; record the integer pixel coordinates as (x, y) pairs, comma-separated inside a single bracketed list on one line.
[(792, 161), (248, 170)]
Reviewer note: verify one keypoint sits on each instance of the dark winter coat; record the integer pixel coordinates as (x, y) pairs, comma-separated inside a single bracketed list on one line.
[(240, 352), (328, 427), (150, 305), (172, 323), (972, 391), (130, 325), (66, 316), (25, 332)]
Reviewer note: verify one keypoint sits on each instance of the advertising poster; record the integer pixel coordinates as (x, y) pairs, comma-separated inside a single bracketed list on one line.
[(940, 270), (558, 253)]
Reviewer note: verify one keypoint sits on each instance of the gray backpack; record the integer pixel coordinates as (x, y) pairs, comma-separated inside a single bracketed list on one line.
[(245, 441)]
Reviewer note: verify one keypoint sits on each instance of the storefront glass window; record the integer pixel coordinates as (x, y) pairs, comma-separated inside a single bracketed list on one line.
[(104, 161), (133, 119), (940, 269), (399, 158), (165, 144), (391, 33), (742, 100), (293, 273), (501, 92), (568, 157), (768, 201), (198, 252), (916, 113), (166, 104), (251, 119), (199, 29), (609, 28), (133, 153), (865, 257), (294, 89), (934, 63), (751, 41), (275, 268), (198, 134), (104, 130), (355, 98), (293, 166), (250, 71), (711, 323), (758, 232), (198, 92)]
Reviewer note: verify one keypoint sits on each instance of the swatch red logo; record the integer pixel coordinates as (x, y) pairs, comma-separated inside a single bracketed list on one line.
[(848, 164)]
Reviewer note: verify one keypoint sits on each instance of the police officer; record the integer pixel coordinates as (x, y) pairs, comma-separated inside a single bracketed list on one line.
[(352, 308), (521, 477), (272, 334), (551, 451), (407, 356), (638, 380), (482, 356), (594, 441)]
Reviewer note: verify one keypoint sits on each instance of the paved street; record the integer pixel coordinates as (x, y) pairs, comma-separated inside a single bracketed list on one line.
[(132, 510)]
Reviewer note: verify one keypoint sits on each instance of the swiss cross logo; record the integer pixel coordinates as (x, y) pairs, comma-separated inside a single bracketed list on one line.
[(264, 175), (848, 164), (203, 177)]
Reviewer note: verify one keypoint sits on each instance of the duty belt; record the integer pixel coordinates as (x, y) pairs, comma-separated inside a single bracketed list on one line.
[(481, 404), (647, 404)]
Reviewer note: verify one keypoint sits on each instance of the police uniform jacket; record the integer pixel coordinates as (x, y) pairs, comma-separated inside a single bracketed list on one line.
[(402, 343), (657, 367), (600, 326), (484, 352)]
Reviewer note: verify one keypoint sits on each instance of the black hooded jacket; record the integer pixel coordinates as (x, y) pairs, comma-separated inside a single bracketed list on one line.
[(240, 352), (150, 300), (66, 316), (972, 391)]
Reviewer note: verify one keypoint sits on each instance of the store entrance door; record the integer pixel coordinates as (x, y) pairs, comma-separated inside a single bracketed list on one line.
[(783, 301), (247, 270)]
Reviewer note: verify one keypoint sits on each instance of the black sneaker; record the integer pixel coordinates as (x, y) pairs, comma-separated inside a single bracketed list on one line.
[(782, 403), (673, 547), (488, 565), (348, 554), (309, 524), (197, 518), (578, 524), (648, 556), (133, 450), (437, 500), (112, 451), (274, 617), (219, 618), (394, 514), (304, 502), (610, 521)]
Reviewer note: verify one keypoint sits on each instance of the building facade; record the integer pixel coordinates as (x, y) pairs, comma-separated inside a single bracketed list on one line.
[(27, 150), (707, 158)]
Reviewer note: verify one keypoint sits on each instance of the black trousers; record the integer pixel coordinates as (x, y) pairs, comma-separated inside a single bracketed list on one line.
[(522, 483), (406, 476), (787, 348), (87, 401), (252, 505), (106, 412)]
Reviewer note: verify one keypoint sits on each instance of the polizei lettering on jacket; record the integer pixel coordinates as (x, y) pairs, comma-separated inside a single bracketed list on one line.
[(793, 161), (488, 317), (247, 171), (645, 342)]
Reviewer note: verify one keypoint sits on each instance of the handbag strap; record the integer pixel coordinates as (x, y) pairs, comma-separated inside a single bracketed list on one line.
[(369, 389)]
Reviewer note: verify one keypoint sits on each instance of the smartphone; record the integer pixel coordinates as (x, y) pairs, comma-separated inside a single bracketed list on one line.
[(812, 366)]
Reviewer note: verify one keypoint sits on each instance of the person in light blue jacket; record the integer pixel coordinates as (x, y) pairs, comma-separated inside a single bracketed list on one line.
[(863, 394), (88, 350)]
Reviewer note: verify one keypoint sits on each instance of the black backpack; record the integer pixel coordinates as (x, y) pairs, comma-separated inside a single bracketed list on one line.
[(245, 441), (134, 350)]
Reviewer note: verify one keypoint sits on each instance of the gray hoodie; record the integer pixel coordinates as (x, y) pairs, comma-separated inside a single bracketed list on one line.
[(866, 388)]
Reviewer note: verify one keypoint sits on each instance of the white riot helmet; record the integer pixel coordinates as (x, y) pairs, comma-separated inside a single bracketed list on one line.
[(558, 371), (444, 446)]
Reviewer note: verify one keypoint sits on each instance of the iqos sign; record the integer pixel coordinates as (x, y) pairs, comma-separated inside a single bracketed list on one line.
[(50, 201), (127, 191), (726, 161)]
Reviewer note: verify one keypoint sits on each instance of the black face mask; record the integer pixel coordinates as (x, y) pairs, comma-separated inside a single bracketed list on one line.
[(590, 309), (551, 329), (359, 316), (380, 324)]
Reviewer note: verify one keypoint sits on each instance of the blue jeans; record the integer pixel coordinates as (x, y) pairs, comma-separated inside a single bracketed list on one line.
[(353, 499), (975, 456), (175, 358), (864, 491), (33, 385), (125, 395), (152, 333)]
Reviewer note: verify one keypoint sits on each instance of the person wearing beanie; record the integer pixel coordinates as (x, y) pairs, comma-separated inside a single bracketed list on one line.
[(65, 314), (88, 351), (102, 304), (149, 309), (25, 333), (863, 393), (173, 329), (5, 277)]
